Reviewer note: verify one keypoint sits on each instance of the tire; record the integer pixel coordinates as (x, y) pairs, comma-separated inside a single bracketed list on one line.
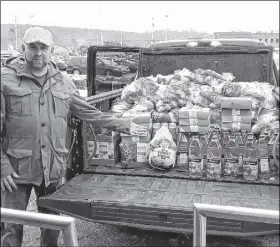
[(76, 72), (108, 72)]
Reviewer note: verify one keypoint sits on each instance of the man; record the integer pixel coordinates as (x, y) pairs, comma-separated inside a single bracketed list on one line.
[(35, 101)]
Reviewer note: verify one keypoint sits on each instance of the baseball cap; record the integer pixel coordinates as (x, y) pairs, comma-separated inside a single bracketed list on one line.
[(38, 34)]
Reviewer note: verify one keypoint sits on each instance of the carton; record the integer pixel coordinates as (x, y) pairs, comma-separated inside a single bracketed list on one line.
[(236, 126), (139, 155), (194, 128), (194, 121), (236, 112), (138, 139), (236, 103), (107, 150), (185, 112), (142, 118), (107, 153), (237, 119)]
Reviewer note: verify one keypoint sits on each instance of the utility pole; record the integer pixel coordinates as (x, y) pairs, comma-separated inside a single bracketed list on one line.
[(101, 31), (121, 39), (30, 21), (16, 33), (153, 25), (166, 35)]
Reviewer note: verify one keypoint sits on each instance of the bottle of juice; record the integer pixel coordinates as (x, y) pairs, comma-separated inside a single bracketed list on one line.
[(195, 157), (250, 159), (183, 151), (214, 156), (240, 144), (264, 171), (231, 156), (226, 137), (204, 144)]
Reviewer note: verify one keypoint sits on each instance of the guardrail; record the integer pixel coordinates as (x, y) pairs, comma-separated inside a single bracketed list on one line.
[(202, 211), (63, 223)]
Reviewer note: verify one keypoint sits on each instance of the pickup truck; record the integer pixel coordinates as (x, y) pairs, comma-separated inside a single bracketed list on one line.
[(163, 201)]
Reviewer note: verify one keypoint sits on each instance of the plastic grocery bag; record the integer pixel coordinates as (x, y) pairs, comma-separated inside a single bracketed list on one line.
[(162, 150)]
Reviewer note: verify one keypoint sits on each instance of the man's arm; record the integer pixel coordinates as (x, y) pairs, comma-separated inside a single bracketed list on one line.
[(86, 112), (6, 167)]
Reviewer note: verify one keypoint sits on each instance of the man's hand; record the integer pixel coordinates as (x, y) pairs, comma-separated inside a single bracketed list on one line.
[(136, 129), (8, 182)]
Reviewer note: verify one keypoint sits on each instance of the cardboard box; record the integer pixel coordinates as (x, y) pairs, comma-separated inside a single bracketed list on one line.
[(107, 153), (236, 126), (194, 128), (138, 156), (236, 103), (185, 112), (236, 112), (237, 119), (138, 139), (194, 121)]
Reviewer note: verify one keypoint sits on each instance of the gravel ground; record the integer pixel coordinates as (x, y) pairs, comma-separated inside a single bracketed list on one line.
[(97, 235)]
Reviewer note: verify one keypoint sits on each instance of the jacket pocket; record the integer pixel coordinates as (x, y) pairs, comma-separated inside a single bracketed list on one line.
[(20, 101), (21, 161), (62, 102), (58, 166)]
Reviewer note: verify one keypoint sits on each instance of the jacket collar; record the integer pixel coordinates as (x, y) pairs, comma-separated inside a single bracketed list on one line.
[(22, 69)]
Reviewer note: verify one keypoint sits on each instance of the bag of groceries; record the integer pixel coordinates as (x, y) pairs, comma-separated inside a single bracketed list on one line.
[(162, 150)]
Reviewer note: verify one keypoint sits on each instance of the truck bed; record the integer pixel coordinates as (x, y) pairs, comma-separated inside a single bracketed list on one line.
[(160, 204)]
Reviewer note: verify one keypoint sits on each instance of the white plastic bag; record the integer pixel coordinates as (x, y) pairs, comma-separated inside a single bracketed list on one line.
[(162, 150)]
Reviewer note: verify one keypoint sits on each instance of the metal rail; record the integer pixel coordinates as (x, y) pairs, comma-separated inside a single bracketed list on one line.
[(63, 223), (202, 211)]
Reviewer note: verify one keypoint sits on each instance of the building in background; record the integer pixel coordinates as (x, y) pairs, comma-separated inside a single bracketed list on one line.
[(271, 38)]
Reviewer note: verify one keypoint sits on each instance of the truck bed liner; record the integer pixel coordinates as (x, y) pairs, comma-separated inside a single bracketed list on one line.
[(158, 203)]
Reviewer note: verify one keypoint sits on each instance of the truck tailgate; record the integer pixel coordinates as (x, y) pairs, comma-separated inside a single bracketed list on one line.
[(159, 204)]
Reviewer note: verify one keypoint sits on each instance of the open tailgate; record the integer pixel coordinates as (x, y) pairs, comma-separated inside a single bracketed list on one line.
[(160, 203)]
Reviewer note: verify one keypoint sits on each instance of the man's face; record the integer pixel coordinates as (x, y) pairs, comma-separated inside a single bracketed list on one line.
[(38, 55)]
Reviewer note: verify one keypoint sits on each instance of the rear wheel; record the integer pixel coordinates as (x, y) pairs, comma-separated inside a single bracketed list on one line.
[(76, 72), (108, 72)]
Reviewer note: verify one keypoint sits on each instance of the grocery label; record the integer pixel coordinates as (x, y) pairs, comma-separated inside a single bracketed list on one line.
[(264, 165), (194, 128), (193, 121), (103, 150), (235, 112), (183, 159), (90, 147), (250, 169), (193, 114), (231, 167), (195, 167), (236, 119), (213, 167), (142, 152)]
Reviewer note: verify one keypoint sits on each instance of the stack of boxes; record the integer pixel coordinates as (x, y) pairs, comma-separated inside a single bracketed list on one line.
[(236, 114), (135, 149), (194, 120)]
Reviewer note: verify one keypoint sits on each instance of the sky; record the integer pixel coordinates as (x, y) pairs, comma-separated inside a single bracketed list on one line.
[(137, 16)]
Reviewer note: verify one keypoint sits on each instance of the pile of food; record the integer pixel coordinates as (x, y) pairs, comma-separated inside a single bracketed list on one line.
[(235, 111)]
